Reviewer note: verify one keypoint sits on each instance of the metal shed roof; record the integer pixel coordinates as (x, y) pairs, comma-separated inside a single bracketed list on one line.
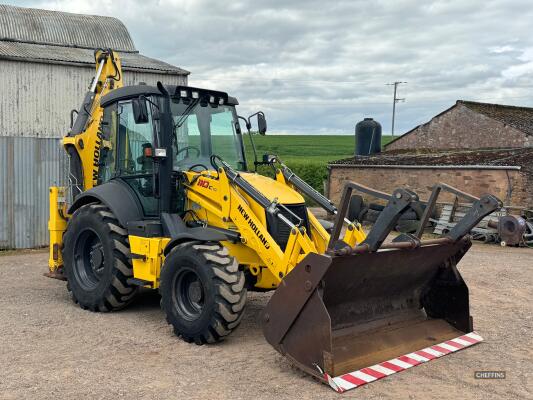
[(35, 35), (76, 56), (31, 25)]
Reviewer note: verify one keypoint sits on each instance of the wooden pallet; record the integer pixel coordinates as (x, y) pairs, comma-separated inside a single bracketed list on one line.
[(452, 213)]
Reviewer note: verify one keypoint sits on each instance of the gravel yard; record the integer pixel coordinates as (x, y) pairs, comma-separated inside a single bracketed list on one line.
[(50, 348)]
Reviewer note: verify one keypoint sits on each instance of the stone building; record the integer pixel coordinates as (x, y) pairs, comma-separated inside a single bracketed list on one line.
[(471, 125), (506, 173), (477, 147)]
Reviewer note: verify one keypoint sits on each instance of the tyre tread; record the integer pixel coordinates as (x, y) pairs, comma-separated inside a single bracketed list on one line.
[(119, 293), (230, 293)]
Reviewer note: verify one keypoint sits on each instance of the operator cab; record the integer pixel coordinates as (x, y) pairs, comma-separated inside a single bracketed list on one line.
[(204, 123), (206, 128)]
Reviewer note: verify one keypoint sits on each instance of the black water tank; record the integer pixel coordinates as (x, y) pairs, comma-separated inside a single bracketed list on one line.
[(367, 137)]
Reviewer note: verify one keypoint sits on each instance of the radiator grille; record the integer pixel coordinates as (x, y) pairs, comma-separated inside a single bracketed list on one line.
[(281, 231)]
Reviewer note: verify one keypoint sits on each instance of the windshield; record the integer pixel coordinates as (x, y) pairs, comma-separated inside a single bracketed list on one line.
[(202, 131)]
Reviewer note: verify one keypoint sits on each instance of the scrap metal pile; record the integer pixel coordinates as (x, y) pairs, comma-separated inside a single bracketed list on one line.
[(502, 226)]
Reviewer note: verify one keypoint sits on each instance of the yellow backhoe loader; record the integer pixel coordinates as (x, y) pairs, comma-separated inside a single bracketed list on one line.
[(160, 196)]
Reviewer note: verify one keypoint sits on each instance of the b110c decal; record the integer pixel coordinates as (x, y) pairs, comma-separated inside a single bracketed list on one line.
[(205, 184)]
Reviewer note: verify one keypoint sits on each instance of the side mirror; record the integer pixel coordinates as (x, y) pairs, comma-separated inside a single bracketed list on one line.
[(140, 110), (269, 159), (261, 123)]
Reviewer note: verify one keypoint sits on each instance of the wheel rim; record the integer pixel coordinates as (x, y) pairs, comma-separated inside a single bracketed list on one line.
[(89, 261), (188, 294)]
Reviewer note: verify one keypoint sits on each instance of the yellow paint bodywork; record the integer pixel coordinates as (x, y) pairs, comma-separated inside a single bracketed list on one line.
[(147, 258), (273, 189), (219, 203), (214, 200), (57, 224)]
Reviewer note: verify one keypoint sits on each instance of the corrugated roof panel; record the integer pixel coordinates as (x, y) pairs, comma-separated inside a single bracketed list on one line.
[(65, 29), (50, 54)]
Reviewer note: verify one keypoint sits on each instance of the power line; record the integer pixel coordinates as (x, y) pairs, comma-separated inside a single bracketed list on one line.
[(394, 101)]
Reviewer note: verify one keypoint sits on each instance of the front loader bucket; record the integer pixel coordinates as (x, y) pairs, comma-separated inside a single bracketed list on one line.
[(334, 316), (361, 313)]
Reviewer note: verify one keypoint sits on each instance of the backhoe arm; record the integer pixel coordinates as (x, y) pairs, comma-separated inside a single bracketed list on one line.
[(85, 140), (83, 145)]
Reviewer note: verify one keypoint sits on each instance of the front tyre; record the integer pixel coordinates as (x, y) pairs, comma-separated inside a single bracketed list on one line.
[(202, 292), (97, 260)]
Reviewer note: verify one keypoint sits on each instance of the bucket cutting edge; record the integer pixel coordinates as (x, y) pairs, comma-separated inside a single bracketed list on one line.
[(363, 376)]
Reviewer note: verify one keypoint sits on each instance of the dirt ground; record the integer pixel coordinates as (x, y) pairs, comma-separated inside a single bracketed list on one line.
[(50, 348)]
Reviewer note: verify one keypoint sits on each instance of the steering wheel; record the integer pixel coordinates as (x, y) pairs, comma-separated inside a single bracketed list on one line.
[(187, 148)]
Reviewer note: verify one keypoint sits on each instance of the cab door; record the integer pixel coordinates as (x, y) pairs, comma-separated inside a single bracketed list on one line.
[(129, 156)]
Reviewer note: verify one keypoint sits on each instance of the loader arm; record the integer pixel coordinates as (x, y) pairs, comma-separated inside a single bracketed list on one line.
[(228, 198)]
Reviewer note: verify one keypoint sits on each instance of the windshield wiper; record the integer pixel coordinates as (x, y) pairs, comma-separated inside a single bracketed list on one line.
[(186, 113)]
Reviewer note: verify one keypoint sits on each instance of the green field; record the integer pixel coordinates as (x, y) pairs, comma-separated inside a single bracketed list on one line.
[(306, 155), (310, 148)]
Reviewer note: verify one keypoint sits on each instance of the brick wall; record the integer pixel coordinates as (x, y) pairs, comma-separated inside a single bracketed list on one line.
[(462, 128), (511, 186)]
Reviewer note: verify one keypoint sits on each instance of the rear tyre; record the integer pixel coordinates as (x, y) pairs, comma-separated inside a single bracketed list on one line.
[(372, 215), (202, 292), (355, 207), (97, 260), (407, 226)]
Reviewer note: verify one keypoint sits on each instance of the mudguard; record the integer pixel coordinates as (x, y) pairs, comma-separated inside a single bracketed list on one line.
[(116, 195)]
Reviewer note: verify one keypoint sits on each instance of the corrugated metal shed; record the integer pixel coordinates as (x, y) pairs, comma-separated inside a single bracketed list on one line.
[(28, 166), (46, 66), (36, 102), (43, 36)]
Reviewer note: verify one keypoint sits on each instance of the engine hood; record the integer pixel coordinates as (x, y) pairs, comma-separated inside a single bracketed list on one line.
[(273, 189)]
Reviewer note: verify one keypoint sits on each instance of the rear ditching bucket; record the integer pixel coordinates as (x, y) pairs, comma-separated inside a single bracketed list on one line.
[(351, 319)]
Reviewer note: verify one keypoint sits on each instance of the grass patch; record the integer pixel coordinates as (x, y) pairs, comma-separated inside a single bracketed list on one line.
[(306, 155)]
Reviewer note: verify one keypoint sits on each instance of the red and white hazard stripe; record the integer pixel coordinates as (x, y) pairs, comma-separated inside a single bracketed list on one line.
[(363, 376)]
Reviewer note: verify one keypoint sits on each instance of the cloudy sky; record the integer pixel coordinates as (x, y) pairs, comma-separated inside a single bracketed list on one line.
[(318, 67)]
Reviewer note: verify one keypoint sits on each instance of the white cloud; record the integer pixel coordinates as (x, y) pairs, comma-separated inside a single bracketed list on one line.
[(318, 66), (501, 49)]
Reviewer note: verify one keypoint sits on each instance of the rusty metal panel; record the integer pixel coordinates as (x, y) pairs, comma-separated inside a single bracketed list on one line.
[(36, 99), (28, 167)]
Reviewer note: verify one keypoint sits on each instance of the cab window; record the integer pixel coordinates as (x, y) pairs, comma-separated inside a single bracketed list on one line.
[(134, 162), (135, 142), (108, 148)]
